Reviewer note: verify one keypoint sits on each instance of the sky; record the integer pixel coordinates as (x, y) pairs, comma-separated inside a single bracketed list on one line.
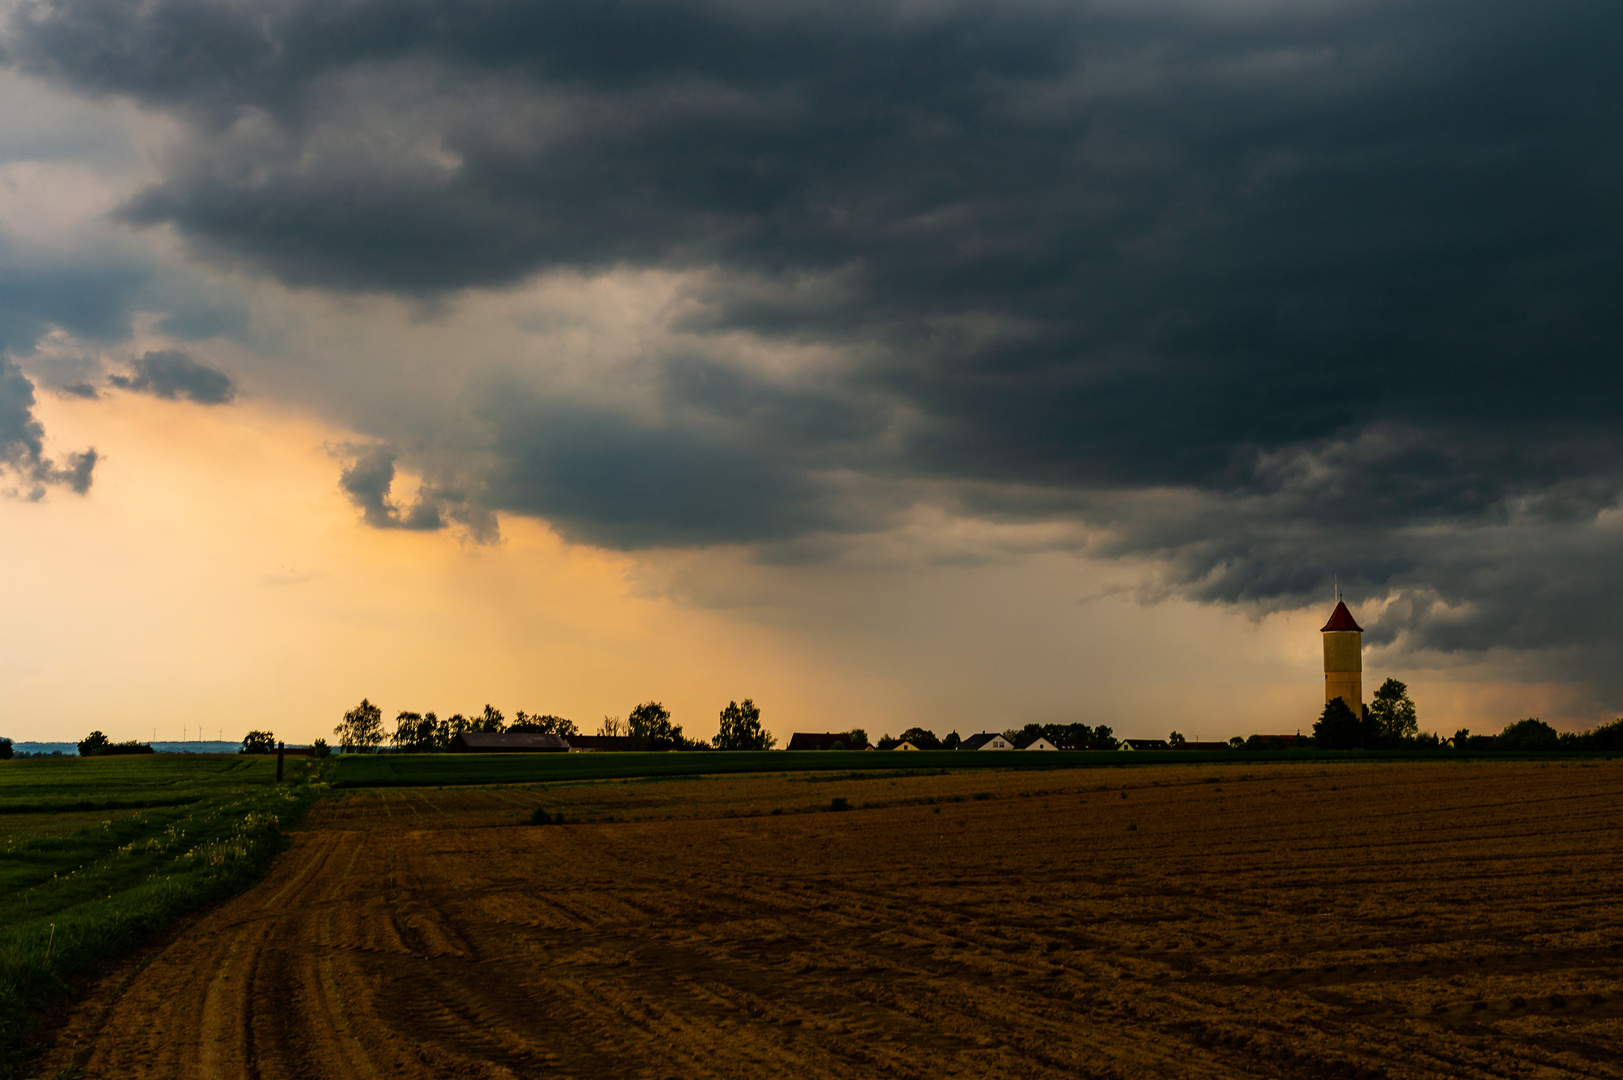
[(942, 363)]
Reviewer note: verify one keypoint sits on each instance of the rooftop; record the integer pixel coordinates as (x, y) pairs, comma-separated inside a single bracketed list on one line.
[(1341, 619)]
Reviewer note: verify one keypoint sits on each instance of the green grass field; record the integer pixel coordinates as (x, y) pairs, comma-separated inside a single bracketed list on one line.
[(97, 854), (442, 770)]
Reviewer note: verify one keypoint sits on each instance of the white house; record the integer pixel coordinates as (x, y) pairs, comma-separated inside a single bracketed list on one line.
[(904, 746), (1039, 743)]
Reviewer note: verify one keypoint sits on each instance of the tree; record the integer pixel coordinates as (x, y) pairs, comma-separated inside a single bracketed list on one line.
[(952, 741), (650, 725), (922, 738), (741, 728), (423, 733), (1392, 715), (361, 730), (1337, 728), (1176, 740), (543, 724), (1102, 739), (5, 749), (491, 722), (856, 738), (1237, 743), (258, 742), (613, 727), (320, 748), (91, 743), (1529, 734)]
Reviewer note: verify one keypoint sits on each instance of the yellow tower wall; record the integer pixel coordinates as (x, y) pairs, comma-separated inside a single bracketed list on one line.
[(1344, 668)]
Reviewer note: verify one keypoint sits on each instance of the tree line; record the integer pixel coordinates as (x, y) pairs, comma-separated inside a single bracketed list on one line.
[(648, 727), (1063, 736), (1389, 722)]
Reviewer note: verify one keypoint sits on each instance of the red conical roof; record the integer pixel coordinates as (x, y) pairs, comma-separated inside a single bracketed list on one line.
[(1341, 619)]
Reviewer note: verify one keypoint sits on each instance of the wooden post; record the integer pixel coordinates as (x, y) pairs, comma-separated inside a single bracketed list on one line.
[(279, 745)]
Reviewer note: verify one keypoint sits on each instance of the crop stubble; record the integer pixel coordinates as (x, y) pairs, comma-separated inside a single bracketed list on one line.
[(1452, 919)]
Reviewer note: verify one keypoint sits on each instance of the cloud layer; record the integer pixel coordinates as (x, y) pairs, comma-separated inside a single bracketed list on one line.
[(1267, 292)]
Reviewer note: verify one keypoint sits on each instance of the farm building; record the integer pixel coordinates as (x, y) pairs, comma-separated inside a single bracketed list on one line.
[(824, 740), (1205, 746), (488, 742), (986, 740), (586, 744), (1144, 744)]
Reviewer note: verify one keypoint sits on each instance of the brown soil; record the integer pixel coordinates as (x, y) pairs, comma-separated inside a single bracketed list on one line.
[(1437, 920)]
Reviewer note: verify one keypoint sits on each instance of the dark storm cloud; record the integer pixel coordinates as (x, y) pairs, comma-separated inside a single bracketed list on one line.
[(22, 443), (171, 374), (367, 482), (1268, 290)]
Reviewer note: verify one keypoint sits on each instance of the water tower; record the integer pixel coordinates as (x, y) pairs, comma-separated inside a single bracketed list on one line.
[(1344, 659)]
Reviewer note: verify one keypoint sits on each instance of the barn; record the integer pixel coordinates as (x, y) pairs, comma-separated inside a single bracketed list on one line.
[(489, 742)]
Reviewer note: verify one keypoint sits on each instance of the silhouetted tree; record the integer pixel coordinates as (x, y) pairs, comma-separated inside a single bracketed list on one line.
[(613, 726), (1392, 714), (1529, 734), (91, 743), (1175, 740), (650, 725), (542, 724), (1337, 728), (741, 728), (923, 738), (491, 722), (258, 742), (361, 730), (1103, 739), (952, 742), (856, 738), (320, 748), (5, 749)]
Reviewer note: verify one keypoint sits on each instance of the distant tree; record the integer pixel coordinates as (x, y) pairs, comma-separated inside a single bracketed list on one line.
[(540, 724), (420, 733), (320, 748), (1237, 743), (1175, 740), (459, 725), (1607, 737), (491, 722), (741, 728), (1392, 714), (922, 738), (91, 743), (1103, 739), (650, 725), (361, 730), (1462, 738), (856, 738), (952, 741), (613, 727), (258, 742), (5, 749), (1529, 734), (1337, 728), (1069, 736)]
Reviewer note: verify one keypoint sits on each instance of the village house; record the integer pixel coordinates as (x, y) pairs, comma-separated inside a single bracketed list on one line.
[(824, 740), (1039, 743), (1144, 744), (986, 740)]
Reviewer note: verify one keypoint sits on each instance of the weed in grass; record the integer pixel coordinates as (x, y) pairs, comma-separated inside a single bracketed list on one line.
[(839, 803)]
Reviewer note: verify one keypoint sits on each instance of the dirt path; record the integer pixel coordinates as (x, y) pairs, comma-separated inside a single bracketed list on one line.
[(1441, 920)]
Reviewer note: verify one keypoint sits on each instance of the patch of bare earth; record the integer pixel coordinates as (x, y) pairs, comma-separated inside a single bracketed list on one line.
[(1435, 920)]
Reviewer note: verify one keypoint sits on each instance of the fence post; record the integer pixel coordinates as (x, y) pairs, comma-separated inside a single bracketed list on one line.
[(279, 747)]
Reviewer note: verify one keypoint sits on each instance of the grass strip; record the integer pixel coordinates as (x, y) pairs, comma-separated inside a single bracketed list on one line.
[(445, 770), (74, 903)]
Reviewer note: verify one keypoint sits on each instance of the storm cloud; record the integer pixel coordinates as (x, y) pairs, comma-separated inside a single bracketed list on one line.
[(171, 374), (1264, 292), (22, 444)]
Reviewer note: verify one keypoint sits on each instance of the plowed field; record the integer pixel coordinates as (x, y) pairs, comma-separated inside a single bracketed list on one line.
[(1438, 920)]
